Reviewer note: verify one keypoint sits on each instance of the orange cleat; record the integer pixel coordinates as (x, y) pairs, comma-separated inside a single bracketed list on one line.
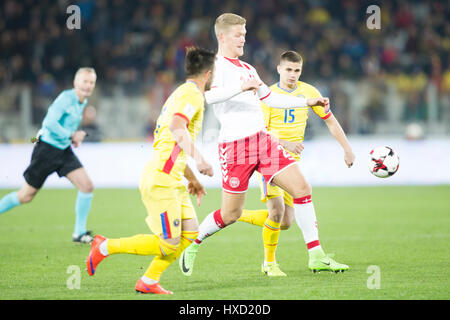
[(95, 256), (156, 288)]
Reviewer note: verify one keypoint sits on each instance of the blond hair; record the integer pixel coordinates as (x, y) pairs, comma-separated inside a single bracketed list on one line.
[(85, 69), (226, 20)]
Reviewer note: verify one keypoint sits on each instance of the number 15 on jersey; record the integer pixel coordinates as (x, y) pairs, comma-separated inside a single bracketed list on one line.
[(289, 116)]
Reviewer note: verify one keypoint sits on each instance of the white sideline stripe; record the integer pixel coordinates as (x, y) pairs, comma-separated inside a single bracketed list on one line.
[(120, 165)]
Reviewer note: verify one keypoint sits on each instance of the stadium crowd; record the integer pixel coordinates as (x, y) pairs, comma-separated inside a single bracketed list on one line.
[(140, 44)]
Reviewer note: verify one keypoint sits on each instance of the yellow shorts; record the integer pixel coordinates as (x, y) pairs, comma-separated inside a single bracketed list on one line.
[(166, 207), (269, 191)]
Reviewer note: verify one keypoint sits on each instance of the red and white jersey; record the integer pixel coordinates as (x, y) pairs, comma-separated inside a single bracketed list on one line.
[(241, 116)]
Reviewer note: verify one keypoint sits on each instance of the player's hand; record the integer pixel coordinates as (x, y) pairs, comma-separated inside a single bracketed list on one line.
[(78, 137), (195, 188), (294, 147), (251, 84), (204, 167), (322, 101), (349, 158)]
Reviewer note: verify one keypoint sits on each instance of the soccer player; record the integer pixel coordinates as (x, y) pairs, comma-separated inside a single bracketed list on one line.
[(244, 144), (53, 153), (289, 126), (171, 216)]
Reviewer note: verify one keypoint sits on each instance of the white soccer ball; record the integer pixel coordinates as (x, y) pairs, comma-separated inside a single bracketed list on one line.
[(383, 162)]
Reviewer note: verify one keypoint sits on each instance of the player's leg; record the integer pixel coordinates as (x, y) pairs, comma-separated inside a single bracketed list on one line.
[(43, 162), (189, 231), (24, 195), (83, 183), (140, 244), (256, 217), (271, 234), (288, 216), (259, 217), (292, 180), (232, 205), (163, 208)]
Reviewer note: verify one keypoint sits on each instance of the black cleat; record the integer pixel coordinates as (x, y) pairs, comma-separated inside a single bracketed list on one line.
[(84, 237)]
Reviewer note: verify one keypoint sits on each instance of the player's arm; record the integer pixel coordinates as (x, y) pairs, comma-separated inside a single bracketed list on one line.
[(54, 114), (292, 146), (51, 121), (339, 134), (78, 137), (221, 94), (178, 127), (284, 101), (194, 186)]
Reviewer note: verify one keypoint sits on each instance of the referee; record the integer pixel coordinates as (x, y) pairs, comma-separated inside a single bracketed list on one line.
[(53, 153)]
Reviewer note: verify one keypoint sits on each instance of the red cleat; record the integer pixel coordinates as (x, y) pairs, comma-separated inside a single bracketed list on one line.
[(156, 288), (95, 256)]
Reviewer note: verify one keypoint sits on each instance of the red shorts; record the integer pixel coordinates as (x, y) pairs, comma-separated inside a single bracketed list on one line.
[(240, 158)]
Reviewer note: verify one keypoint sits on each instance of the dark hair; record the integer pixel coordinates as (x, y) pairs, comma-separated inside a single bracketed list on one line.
[(198, 60), (291, 56)]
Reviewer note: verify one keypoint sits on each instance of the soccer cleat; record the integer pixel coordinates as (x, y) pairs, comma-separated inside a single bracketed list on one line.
[(95, 256), (83, 238), (272, 270), (156, 288), (326, 264), (187, 259)]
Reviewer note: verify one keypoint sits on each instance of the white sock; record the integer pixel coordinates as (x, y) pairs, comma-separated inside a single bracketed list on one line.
[(103, 247), (305, 216), (210, 225), (147, 280), (268, 263)]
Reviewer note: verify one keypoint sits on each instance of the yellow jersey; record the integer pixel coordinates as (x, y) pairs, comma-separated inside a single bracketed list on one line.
[(290, 124), (166, 168)]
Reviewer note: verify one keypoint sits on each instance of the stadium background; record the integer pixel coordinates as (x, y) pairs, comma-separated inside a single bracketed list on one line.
[(387, 87)]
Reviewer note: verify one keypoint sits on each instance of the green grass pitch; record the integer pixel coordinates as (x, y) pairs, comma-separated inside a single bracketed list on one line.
[(404, 231)]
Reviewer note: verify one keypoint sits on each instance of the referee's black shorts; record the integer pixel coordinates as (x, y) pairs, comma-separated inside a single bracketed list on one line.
[(47, 159)]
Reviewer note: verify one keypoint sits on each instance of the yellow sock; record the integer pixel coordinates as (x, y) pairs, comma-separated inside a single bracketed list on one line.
[(270, 233), (142, 244), (161, 263), (256, 217)]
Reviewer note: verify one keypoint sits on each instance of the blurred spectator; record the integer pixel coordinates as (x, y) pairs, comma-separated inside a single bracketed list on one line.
[(141, 44), (90, 126)]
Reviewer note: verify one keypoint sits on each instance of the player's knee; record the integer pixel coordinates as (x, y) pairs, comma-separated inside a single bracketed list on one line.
[(25, 197), (303, 190), (232, 216), (288, 218), (277, 214), (286, 222), (170, 244), (88, 187)]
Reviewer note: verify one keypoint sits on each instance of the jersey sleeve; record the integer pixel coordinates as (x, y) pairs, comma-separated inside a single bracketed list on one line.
[(266, 112), (218, 77), (54, 114), (319, 110), (188, 105)]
